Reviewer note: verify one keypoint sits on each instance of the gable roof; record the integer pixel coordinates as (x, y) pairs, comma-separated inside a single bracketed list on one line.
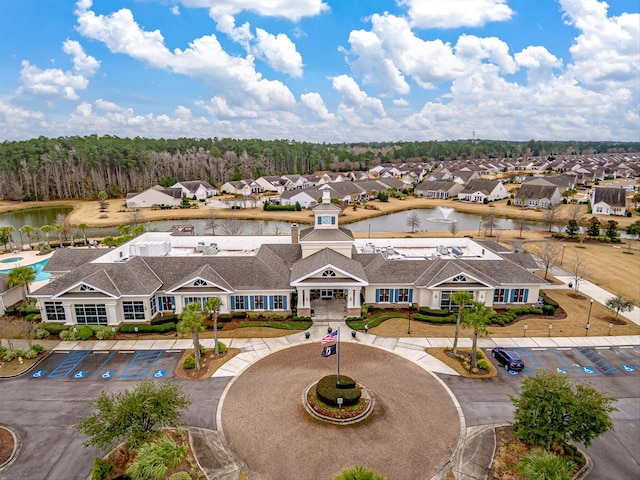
[(479, 185), (612, 196), (536, 192), (327, 258)]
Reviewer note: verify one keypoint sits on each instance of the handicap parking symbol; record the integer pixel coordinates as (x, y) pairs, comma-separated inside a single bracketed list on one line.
[(511, 372), (562, 370), (588, 370), (159, 373), (628, 368), (80, 374), (38, 374), (107, 374)]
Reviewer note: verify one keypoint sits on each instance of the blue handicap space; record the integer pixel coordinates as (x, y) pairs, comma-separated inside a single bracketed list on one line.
[(628, 368), (107, 374), (562, 370), (531, 362), (141, 364), (80, 374), (69, 364), (566, 366), (601, 363), (159, 373), (38, 374), (628, 360), (588, 370), (101, 373), (511, 372)]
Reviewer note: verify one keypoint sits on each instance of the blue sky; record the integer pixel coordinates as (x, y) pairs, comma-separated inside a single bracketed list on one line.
[(321, 70)]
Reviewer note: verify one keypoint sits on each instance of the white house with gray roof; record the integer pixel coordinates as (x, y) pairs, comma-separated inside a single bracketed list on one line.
[(158, 273)]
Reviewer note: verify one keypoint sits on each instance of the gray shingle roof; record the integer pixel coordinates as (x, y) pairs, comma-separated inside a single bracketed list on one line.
[(323, 258), (66, 259), (612, 196)]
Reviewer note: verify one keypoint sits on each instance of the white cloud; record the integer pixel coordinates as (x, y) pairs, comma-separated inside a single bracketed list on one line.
[(356, 100), (175, 10), (292, 10), (204, 60), (401, 102), (279, 51), (82, 63), (313, 101), (107, 106), (242, 35), (456, 13)]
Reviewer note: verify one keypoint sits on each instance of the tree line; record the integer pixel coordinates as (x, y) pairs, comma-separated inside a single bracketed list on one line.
[(79, 167)]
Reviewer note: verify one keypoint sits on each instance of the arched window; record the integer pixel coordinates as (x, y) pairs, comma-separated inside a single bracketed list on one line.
[(328, 273), (459, 278), (86, 288), (200, 283)]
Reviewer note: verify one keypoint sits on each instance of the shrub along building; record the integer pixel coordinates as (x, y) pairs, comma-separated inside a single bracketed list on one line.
[(159, 273)]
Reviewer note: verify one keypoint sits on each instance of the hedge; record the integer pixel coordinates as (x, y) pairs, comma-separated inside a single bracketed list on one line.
[(131, 328), (53, 328), (434, 318), (434, 313), (225, 317), (328, 391)]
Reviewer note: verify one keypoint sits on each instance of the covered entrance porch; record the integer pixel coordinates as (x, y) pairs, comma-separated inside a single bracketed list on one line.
[(330, 301)]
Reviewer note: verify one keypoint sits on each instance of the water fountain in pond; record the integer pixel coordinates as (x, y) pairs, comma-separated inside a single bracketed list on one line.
[(445, 212)]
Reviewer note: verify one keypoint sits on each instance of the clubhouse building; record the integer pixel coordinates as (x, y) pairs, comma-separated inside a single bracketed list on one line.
[(159, 273)]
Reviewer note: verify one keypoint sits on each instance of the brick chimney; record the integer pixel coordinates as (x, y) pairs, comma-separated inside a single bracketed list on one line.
[(294, 234)]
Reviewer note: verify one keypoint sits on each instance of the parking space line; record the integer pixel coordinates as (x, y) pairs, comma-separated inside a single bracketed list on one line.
[(563, 360), (630, 360), (104, 363), (531, 362), (141, 364), (69, 364), (601, 363)]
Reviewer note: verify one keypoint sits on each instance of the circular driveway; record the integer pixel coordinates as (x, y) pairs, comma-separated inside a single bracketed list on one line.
[(412, 433)]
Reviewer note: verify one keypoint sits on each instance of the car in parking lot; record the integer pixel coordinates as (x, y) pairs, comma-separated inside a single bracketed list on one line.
[(510, 359)]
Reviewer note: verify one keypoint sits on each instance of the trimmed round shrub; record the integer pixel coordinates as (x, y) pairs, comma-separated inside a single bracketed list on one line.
[(329, 391), (85, 332), (67, 335), (189, 362), (222, 347), (484, 365), (36, 347)]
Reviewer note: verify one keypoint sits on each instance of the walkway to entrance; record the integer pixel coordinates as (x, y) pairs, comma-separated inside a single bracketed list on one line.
[(329, 310)]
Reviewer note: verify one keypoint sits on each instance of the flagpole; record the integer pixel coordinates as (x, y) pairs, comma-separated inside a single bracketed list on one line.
[(338, 351)]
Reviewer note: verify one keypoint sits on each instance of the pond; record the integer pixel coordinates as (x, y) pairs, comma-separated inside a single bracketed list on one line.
[(35, 217)]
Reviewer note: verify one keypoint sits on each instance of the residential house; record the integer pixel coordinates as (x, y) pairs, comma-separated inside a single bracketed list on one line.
[(609, 201), (241, 187), (482, 191), (198, 189), (534, 196), (156, 195), (438, 189), (272, 183)]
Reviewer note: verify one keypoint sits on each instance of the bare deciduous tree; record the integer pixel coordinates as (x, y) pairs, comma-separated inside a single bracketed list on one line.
[(578, 270), (521, 226), (548, 252), (453, 228), (552, 215), (489, 222), (230, 226), (212, 221), (413, 221), (135, 216)]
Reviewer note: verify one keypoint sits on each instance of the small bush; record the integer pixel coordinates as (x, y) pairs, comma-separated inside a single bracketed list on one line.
[(101, 469), (36, 347), (154, 459), (180, 476), (163, 327), (85, 332), (67, 335), (189, 362), (225, 317), (131, 328), (33, 317), (53, 328), (484, 365), (328, 391), (41, 333), (276, 315), (104, 333), (222, 347), (239, 314), (548, 310)]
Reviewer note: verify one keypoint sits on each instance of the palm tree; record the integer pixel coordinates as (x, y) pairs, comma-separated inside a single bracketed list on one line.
[(191, 322), (460, 298), (28, 231), (59, 228), (212, 307), (477, 317), (620, 304), (83, 228), (22, 276), (46, 229), (5, 235)]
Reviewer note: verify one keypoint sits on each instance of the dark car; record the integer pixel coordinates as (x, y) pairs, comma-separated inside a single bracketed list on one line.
[(508, 358)]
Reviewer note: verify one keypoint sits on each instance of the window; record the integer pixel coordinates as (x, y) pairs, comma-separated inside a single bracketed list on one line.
[(445, 300), (279, 302), (200, 283), (500, 295), (91, 314), (258, 302), (153, 306), (328, 273), (86, 288), (54, 312), (384, 295), (133, 310), (403, 295), (459, 278), (519, 295), (238, 302), (199, 300), (167, 303)]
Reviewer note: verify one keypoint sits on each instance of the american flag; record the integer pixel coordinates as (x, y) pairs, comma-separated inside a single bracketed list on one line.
[(332, 337)]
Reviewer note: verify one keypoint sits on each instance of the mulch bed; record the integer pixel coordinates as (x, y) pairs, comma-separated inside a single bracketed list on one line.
[(334, 412), (209, 363), (6, 445)]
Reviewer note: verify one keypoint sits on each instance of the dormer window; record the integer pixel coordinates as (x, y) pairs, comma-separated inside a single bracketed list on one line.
[(328, 273), (86, 288), (200, 283), (459, 278)]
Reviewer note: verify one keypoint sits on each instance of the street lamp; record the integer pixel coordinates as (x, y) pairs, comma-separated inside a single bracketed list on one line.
[(550, 328), (564, 245), (409, 327), (588, 325), (526, 327), (610, 327)]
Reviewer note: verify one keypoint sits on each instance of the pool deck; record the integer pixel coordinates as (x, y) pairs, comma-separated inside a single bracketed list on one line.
[(29, 257)]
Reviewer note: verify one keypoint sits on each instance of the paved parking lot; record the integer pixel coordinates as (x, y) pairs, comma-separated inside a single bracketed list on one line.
[(78, 365), (579, 362)]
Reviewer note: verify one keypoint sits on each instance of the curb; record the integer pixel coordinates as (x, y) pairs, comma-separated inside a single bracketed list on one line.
[(17, 446)]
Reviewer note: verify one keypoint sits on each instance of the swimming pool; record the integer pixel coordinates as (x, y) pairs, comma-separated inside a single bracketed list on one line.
[(40, 275), (11, 260)]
